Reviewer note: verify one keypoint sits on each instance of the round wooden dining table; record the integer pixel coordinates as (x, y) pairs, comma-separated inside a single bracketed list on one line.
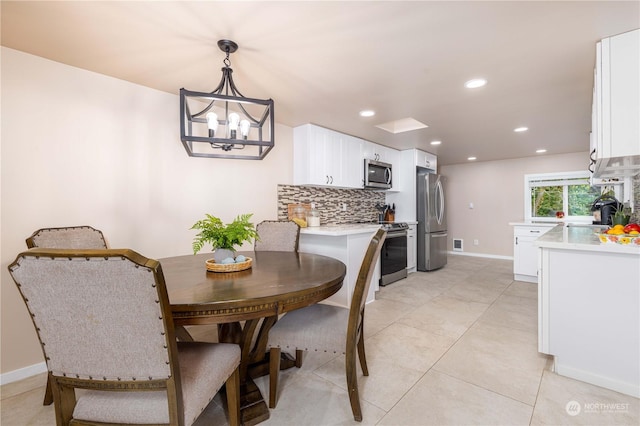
[(247, 303)]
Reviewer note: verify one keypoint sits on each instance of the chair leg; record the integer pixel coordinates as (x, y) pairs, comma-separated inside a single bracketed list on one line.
[(352, 384), (298, 363), (232, 387), (48, 394), (362, 356), (274, 371)]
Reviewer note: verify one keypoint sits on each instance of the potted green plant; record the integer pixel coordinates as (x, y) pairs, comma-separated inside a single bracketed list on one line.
[(621, 216), (223, 238)]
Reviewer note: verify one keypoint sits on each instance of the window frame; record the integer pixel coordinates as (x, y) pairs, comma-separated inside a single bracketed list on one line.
[(555, 176)]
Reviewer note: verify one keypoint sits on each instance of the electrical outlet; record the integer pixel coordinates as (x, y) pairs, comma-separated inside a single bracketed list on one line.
[(476, 242)]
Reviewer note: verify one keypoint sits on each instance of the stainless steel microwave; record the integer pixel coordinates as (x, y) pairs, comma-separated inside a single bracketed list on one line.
[(377, 174)]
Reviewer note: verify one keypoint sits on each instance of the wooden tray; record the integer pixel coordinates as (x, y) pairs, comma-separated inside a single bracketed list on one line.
[(212, 266)]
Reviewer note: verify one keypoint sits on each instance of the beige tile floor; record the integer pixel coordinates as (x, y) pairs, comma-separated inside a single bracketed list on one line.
[(456, 346)]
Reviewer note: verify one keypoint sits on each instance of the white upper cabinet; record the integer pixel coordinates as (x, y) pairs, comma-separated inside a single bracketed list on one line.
[(325, 157), (426, 160), (373, 151), (615, 136)]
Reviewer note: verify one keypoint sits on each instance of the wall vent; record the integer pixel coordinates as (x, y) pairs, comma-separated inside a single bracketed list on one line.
[(457, 244)]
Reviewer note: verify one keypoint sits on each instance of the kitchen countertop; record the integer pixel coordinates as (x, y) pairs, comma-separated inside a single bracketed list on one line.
[(340, 230), (549, 224), (581, 238)]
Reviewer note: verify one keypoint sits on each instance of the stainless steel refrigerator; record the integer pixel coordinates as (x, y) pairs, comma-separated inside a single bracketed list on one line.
[(432, 222)]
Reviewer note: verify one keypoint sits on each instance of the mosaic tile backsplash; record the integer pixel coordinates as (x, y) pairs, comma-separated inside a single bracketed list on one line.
[(635, 216), (360, 204)]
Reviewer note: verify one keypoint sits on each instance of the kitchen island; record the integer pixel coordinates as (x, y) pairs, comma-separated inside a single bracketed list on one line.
[(347, 243), (589, 307)]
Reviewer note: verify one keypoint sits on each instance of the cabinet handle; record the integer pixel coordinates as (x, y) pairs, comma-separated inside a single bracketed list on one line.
[(534, 232), (516, 240), (331, 180), (327, 181)]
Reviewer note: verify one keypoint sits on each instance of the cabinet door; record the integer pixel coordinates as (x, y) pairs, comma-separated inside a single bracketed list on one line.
[(352, 162), (411, 248), (325, 157), (619, 103), (426, 160), (309, 154), (525, 256), (525, 253)]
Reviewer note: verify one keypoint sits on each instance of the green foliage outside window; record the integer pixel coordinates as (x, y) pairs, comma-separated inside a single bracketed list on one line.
[(580, 199), (547, 200)]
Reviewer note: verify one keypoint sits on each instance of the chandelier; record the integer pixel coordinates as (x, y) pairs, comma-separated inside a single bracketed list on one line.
[(226, 124)]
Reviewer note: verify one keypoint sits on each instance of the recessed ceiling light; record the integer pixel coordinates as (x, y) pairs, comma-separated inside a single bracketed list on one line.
[(541, 151), (520, 129), (475, 83), (471, 158), (367, 113), (436, 142)]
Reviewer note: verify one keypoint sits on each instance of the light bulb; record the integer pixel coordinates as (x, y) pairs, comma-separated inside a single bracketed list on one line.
[(234, 119), (244, 128), (212, 123)]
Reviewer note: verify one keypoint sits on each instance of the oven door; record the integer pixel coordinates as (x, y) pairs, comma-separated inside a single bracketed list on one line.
[(393, 258)]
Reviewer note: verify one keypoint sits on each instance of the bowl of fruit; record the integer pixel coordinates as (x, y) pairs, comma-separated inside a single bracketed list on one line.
[(621, 234)]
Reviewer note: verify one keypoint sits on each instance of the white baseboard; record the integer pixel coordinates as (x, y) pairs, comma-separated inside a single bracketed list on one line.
[(617, 385), (489, 256), (23, 373)]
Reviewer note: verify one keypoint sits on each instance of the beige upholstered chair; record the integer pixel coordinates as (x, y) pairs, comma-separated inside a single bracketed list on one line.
[(72, 237), (104, 322), (328, 328), (274, 235)]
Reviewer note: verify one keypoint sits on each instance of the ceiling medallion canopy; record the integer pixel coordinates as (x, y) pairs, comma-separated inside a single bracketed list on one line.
[(226, 124)]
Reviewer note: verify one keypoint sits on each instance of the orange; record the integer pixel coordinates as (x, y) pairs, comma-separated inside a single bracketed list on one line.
[(618, 226), (634, 233)]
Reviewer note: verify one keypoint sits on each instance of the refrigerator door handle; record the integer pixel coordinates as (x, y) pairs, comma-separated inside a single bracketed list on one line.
[(439, 235), (440, 204)]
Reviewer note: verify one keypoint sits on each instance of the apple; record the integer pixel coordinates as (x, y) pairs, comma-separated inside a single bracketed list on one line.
[(631, 227)]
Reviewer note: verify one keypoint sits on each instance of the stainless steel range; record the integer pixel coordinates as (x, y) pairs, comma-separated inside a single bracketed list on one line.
[(393, 256)]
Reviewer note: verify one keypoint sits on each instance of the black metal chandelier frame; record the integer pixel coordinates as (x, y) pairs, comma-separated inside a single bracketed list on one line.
[(257, 133)]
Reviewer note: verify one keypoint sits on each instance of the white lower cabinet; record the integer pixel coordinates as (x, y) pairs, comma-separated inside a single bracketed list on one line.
[(589, 316), (525, 254), (350, 250), (411, 248)]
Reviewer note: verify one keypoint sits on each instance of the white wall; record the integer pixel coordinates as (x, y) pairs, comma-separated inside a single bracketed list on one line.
[(80, 148), (496, 189)]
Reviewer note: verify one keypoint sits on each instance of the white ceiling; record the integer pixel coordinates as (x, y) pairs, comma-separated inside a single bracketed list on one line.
[(322, 62)]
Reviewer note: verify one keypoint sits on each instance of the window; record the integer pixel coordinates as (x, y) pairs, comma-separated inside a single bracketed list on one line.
[(547, 194)]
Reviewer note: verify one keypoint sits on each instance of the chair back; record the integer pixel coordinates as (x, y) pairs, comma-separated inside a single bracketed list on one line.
[(274, 235), (100, 315), (72, 237), (361, 289)]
